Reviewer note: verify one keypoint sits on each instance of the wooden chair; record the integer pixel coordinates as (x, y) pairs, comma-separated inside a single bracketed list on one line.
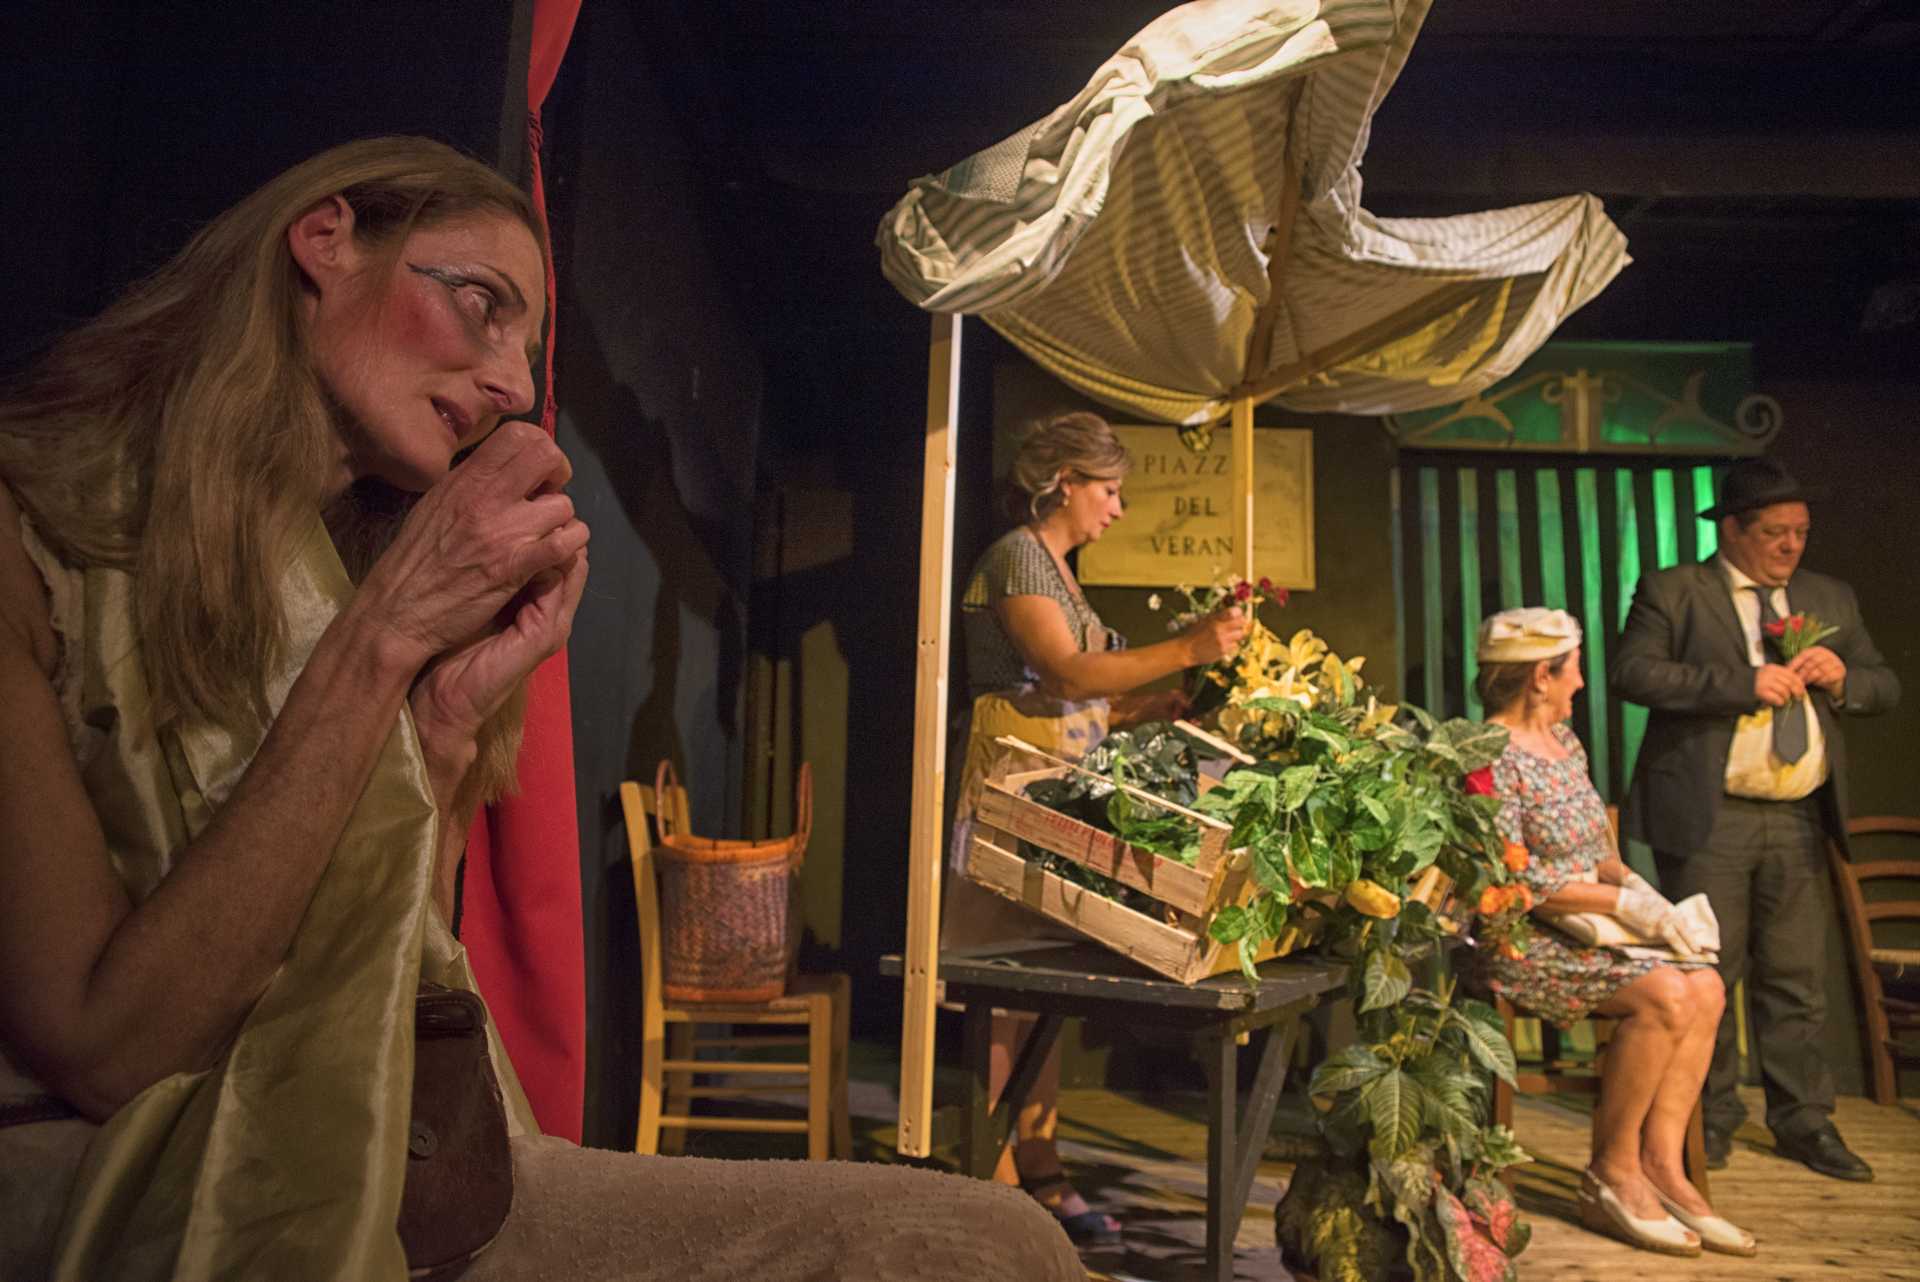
[(670, 1062), (1559, 1073), (1874, 967)]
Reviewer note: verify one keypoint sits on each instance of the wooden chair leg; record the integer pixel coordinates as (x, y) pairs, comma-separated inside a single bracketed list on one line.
[(1502, 1092), (1879, 1039), (1695, 1157), (653, 1048), (673, 1139), (842, 1118), (819, 1073)]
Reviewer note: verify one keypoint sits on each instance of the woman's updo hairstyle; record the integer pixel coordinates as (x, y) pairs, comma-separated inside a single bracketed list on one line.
[(1076, 446), (1501, 686)]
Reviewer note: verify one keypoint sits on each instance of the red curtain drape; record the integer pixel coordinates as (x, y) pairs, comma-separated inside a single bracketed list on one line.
[(520, 915)]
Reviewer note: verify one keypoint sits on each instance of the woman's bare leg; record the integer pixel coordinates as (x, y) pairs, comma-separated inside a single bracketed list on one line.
[(1663, 1139), (1040, 1115), (1654, 1011), (1032, 1155)]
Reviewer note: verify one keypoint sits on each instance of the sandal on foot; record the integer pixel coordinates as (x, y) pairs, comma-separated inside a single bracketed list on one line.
[(1089, 1228), (1715, 1232), (1602, 1211)]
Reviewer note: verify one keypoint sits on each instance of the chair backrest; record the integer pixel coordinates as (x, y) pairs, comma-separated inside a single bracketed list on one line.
[(1883, 1013), (1850, 875), (637, 802)]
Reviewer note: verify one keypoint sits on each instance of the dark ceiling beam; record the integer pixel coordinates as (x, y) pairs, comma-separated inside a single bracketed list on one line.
[(1504, 169), (1859, 166)]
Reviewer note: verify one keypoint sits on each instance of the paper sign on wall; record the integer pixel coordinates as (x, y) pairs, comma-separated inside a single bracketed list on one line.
[(1176, 529)]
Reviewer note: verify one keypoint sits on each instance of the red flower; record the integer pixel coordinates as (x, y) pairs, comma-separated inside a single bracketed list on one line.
[(1480, 782), (1242, 590), (1266, 584), (1778, 628), (1281, 595), (1797, 622)]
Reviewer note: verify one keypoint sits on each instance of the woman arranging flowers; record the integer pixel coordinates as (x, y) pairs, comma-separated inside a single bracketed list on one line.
[(1563, 850), (1042, 667)]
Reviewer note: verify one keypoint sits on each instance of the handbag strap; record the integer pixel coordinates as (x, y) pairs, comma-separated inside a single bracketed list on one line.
[(802, 814)]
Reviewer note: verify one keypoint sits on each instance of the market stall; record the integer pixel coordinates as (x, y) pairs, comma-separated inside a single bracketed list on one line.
[(1184, 240)]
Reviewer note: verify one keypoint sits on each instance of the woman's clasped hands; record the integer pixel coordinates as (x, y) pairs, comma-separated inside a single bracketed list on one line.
[(481, 585)]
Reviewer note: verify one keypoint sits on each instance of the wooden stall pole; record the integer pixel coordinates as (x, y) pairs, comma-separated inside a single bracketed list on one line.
[(1243, 487), (929, 742)]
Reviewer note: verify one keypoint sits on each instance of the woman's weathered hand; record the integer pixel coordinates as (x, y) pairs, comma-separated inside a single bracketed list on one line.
[(463, 687), (495, 526), (1216, 635)]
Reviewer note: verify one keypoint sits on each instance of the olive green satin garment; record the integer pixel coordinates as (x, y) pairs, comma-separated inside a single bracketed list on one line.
[(286, 1161)]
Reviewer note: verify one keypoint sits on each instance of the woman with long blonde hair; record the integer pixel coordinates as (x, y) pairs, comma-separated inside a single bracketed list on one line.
[(275, 557)]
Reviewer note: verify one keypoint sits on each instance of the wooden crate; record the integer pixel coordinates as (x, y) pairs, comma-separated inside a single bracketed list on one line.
[(1176, 944)]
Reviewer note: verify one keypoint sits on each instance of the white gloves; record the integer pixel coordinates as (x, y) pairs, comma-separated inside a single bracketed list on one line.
[(1648, 914)]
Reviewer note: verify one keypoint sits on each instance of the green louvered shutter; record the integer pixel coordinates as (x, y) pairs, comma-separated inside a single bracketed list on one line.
[(1481, 534)]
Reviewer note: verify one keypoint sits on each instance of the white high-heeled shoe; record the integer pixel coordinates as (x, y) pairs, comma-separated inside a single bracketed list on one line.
[(1602, 1211), (1716, 1233)]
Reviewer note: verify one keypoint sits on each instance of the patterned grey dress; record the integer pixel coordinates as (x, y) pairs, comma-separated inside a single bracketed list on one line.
[(1551, 808)]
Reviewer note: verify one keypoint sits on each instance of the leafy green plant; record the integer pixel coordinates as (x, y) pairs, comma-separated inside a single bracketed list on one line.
[(1411, 1166), (1154, 757), (1347, 812)]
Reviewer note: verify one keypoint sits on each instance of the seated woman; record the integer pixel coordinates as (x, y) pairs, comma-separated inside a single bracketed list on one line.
[(249, 712), (1636, 1186), (1044, 668)]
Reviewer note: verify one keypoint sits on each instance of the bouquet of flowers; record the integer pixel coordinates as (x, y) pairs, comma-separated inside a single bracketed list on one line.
[(1798, 631), (1206, 685)]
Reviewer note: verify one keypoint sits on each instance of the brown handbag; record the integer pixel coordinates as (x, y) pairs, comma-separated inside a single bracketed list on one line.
[(459, 1169)]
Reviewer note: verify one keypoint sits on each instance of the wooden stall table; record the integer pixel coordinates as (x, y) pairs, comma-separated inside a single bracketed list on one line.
[(1054, 980)]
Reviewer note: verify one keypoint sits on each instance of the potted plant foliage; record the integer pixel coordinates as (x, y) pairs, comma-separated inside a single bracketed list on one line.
[(1407, 1182), (1351, 801)]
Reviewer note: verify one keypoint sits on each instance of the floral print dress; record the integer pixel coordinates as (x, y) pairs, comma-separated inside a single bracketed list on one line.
[(1551, 808)]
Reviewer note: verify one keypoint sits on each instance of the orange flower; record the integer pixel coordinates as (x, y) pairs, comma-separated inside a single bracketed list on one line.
[(1495, 900), (1516, 856), (1511, 952)]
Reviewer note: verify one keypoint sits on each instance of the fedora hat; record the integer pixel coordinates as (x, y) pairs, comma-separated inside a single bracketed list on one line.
[(1756, 482)]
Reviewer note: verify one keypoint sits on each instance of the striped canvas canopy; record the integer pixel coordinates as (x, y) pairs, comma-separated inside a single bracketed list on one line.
[(1188, 230)]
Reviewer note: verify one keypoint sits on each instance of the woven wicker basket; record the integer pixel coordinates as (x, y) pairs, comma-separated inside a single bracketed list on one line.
[(723, 904)]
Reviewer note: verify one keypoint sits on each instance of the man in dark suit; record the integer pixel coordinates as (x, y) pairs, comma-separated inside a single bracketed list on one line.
[(1742, 775)]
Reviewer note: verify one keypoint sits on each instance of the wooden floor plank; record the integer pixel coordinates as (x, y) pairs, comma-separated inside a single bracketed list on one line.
[(1140, 1158), (1143, 1158)]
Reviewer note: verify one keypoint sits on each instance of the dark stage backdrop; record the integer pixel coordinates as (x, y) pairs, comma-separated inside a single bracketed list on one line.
[(132, 122), (660, 411)]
